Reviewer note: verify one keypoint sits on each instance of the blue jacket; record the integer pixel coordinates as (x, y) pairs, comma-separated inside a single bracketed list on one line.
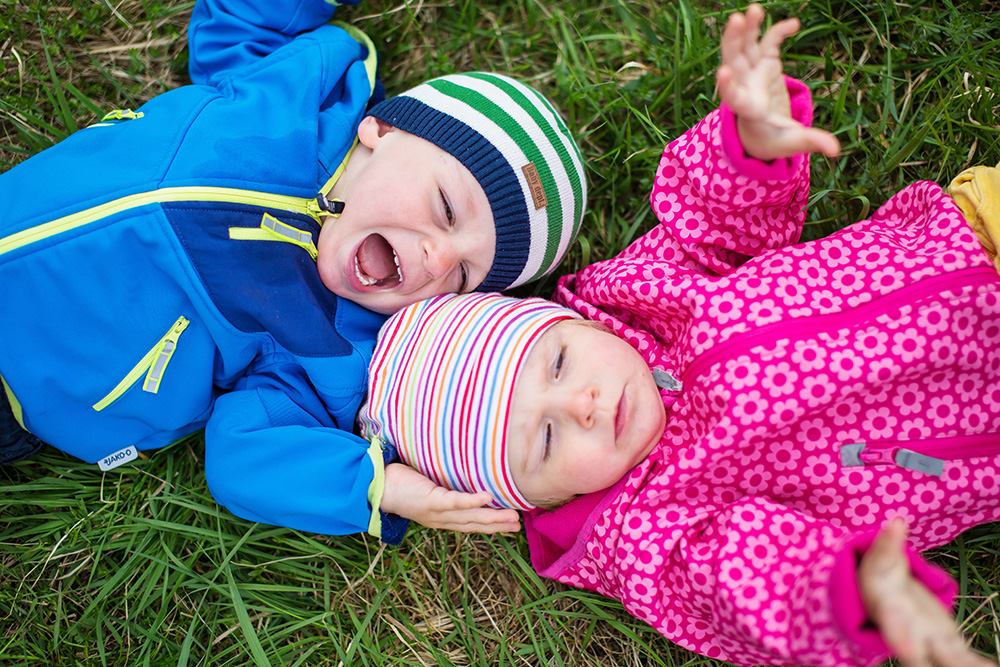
[(156, 276)]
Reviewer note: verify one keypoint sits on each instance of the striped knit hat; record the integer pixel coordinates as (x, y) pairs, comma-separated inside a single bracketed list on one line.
[(441, 382), (519, 149)]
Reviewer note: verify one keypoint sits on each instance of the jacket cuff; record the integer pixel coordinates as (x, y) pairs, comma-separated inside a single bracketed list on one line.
[(389, 528), (783, 169), (394, 528), (848, 606)]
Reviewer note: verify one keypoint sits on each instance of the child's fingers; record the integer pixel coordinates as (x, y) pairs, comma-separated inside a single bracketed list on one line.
[(486, 529), (892, 538), (751, 33), (951, 651), (770, 43), (729, 91), (821, 141), (790, 138), (458, 500), (731, 44), (886, 552), (481, 520)]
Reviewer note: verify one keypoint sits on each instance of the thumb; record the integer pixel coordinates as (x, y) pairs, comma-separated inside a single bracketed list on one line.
[(888, 551)]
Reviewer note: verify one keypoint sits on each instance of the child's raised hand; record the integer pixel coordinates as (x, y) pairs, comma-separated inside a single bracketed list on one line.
[(914, 624), (751, 82), (413, 496)]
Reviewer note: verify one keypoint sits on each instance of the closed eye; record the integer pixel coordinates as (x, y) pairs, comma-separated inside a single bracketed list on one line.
[(449, 215), (557, 367), (548, 442)]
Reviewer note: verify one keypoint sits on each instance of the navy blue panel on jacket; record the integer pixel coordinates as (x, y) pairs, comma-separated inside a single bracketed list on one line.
[(258, 285)]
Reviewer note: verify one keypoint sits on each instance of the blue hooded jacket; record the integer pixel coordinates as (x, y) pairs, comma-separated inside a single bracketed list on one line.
[(157, 273)]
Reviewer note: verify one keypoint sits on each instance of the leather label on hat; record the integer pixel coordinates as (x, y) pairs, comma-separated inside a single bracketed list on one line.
[(535, 185)]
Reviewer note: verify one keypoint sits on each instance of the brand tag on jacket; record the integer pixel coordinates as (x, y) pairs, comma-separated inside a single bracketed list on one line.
[(118, 458)]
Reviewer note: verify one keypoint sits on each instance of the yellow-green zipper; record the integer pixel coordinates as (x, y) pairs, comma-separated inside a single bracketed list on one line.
[(300, 205), (153, 365)]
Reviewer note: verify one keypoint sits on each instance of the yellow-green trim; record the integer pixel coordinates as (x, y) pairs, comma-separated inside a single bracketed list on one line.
[(167, 343), (376, 488), (340, 170), (166, 195), (272, 229), (164, 352), (119, 114), (371, 60), (15, 405)]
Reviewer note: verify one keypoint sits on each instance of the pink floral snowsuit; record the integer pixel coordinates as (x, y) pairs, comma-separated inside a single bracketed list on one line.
[(826, 387)]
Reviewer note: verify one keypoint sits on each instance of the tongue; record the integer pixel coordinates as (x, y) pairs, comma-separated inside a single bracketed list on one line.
[(375, 258)]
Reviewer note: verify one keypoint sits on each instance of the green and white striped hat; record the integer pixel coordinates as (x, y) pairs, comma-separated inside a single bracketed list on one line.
[(518, 147)]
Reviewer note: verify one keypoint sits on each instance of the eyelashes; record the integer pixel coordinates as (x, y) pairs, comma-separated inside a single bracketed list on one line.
[(557, 369), (449, 215)]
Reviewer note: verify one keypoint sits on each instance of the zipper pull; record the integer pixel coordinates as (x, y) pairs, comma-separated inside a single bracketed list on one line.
[(164, 351), (860, 454), (666, 381), (332, 206)]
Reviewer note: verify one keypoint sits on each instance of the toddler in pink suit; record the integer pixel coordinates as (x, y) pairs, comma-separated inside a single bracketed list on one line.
[(754, 459)]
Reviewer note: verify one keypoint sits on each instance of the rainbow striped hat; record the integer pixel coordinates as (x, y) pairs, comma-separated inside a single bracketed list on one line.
[(441, 382), (519, 149)]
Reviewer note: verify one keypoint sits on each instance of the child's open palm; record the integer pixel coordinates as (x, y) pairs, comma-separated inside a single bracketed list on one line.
[(751, 82)]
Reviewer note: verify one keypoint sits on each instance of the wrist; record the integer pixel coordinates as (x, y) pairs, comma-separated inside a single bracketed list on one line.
[(388, 502), (740, 158)]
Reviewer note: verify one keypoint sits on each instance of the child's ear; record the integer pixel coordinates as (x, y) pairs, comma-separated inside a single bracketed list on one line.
[(372, 130)]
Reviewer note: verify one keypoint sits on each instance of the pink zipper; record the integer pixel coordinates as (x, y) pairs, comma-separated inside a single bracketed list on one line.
[(805, 327), (922, 455)]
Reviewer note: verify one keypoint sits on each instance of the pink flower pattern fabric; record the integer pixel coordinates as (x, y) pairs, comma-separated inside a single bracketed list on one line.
[(806, 369)]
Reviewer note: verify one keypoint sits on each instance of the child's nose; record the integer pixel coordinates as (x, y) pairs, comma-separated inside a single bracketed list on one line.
[(580, 405), (439, 257)]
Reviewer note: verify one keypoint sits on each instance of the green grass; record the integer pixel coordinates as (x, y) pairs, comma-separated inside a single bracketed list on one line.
[(140, 567)]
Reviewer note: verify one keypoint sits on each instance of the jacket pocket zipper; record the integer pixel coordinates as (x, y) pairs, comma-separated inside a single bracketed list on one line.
[(931, 455), (154, 364)]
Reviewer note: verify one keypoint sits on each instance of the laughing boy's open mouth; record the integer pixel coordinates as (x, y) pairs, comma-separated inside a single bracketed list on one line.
[(376, 263)]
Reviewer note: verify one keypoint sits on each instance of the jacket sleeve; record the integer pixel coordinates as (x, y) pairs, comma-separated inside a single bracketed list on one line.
[(752, 582), (274, 454), (224, 36), (718, 207)]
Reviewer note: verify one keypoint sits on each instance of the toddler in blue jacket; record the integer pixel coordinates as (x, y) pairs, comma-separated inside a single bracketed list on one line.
[(223, 257)]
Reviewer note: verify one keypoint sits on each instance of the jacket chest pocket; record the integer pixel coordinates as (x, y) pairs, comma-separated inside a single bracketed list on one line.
[(153, 365)]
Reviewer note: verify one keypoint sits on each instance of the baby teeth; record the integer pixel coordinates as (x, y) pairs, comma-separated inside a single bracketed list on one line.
[(368, 281), (362, 278)]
